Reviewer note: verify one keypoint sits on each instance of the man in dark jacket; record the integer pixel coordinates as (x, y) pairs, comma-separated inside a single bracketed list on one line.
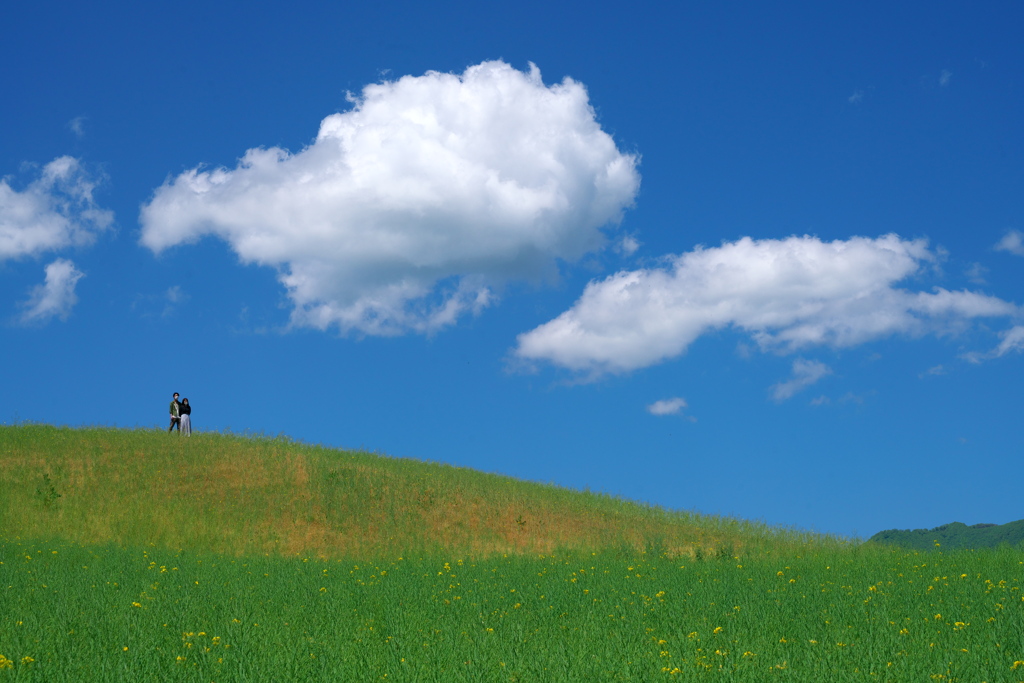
[(175, 414)]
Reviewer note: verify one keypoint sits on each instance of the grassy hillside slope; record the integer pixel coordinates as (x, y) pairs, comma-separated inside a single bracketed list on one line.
[(226, 493), (139, 556)]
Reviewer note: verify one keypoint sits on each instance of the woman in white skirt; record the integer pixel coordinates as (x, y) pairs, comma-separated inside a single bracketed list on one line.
[(185, 412)]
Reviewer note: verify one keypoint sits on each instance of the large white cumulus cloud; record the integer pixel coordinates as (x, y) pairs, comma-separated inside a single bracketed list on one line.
[(406, 209), (54, 211), (787, 294)]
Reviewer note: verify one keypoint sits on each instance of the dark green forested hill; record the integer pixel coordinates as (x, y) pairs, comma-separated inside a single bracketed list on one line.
[(953, 536)]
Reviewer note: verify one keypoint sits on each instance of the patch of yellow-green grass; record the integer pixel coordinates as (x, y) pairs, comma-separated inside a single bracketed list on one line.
[(242, 495)]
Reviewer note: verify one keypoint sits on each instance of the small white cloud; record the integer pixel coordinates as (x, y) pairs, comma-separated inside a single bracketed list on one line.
[(77, 126), (933, 371), (628, 245), (408, 209), (822, 400), (976, 273), (54, 211), (55, 297), (174, 297), (975, 357), (856, 98), (175, 294), (1013, 242), (786, 294), (668, 406), (805, 373), (945, 77)]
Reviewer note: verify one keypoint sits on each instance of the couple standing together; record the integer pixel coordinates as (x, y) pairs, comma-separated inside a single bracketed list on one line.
[(181, 413)]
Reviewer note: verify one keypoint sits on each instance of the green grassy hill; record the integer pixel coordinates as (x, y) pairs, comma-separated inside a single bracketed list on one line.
[(139, 556), (954, 536), (240, 495)]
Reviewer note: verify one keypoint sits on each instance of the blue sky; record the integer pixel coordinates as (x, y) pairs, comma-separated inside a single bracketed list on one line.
[(763, 262)]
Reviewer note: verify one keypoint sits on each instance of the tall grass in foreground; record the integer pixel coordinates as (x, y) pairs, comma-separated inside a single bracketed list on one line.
[(230, 494), (79, 613)]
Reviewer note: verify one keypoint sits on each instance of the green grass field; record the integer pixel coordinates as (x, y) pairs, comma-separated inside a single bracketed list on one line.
[(131, 555)]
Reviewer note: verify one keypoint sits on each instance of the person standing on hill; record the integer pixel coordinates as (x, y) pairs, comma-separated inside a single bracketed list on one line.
[(185, 413), (175, 414)]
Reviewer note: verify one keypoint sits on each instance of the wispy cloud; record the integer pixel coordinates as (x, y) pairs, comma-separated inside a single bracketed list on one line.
[(174, 296), (850, 397), (933, 371), (668, 406), (1013, 242), (856, 98), (805, 373), (628, 245), (976, 273), (1012, 341), (77, 126), (55, 297), (408, 209), (945, 77)]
